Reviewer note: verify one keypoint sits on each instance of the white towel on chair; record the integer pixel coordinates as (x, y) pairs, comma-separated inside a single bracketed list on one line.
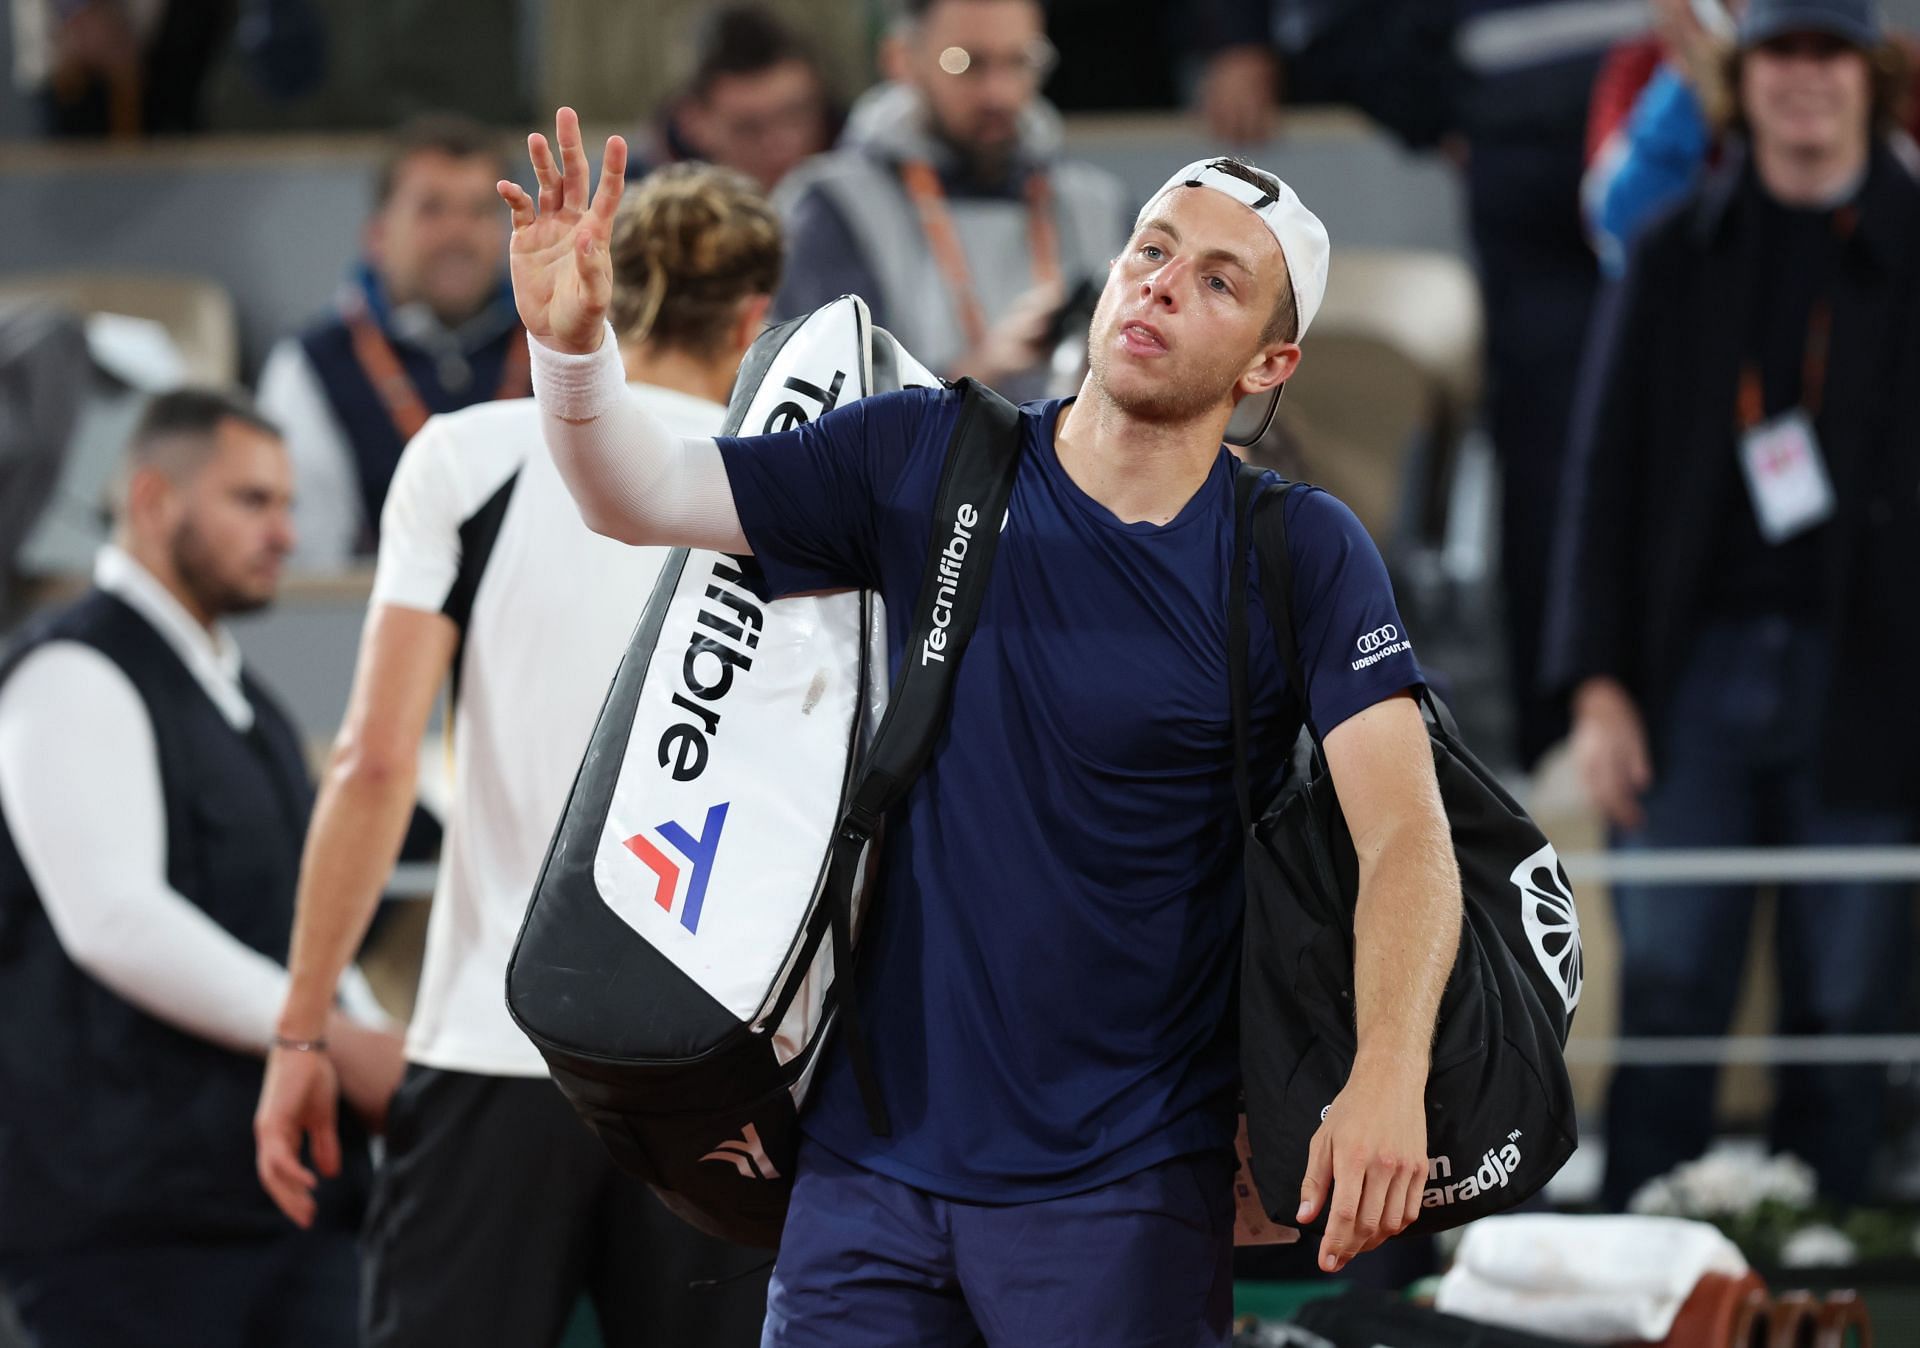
[(1589, 1279)]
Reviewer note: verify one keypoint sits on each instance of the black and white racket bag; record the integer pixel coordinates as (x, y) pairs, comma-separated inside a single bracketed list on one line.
[(677, 963)]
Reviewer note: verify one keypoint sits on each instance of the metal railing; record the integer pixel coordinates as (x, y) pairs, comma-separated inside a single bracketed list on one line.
[(1672, 867)]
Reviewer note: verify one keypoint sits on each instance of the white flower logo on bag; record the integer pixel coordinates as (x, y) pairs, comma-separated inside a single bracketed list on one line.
[(1552, 925)]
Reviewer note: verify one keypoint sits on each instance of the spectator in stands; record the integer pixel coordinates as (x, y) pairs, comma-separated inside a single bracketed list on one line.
[(1659, 110), (948, 207), (1507, 82), (757, 102), (1385, 57), (1658, 106), (153, 797), (138, 67), (424, 325), (468, 1243), (1741, 534)]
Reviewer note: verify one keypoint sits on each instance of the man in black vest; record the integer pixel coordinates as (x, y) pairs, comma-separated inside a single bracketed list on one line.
[(153, 801), (424, 324)]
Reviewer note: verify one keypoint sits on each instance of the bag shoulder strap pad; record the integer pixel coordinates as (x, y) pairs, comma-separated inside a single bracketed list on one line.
[(975, 487)]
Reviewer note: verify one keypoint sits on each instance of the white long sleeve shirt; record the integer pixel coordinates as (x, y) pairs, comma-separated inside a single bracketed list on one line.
[(81, 793), (327, 510)]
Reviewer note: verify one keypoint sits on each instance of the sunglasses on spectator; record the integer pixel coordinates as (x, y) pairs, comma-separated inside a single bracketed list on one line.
[(1035, 61)]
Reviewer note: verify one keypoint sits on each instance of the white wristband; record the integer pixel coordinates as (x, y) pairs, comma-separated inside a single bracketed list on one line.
[(578, 388)]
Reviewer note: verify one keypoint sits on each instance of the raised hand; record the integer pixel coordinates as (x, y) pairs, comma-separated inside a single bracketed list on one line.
[(562, 272)]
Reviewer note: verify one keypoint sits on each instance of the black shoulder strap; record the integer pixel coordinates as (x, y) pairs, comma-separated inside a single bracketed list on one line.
[(975, 486), (1265, 514), (1276, 587)]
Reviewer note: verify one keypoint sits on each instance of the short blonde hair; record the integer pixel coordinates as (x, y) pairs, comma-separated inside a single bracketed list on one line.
[(691, 242)]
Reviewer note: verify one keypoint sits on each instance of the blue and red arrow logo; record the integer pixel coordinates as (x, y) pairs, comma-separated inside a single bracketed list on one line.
[(699, 852)]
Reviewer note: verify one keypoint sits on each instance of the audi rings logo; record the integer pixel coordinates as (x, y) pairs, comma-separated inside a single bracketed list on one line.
[(1376, 639)]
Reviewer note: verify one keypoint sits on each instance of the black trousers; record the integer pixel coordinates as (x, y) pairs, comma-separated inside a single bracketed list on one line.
[(496, 1209), (299, 1290)]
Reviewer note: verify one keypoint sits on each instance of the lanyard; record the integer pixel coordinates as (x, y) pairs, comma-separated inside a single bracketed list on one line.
[(1752, 407), (1043, 239), (381, 365)]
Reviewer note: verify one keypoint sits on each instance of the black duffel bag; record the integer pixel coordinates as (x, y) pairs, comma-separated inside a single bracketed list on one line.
[(1500, 1110)]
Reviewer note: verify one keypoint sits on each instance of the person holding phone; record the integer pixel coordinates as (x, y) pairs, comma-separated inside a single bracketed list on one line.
[(949, 206)]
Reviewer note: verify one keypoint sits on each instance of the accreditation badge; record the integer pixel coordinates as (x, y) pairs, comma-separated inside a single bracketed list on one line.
[(1786, 476)]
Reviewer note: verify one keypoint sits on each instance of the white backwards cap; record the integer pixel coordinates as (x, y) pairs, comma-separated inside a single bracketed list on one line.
[(1303, 242)]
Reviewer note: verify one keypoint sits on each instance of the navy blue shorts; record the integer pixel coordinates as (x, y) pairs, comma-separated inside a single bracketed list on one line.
[(869, 1262)]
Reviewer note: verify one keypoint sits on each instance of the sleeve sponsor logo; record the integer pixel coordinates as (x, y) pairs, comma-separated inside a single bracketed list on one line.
[(1378, 645)]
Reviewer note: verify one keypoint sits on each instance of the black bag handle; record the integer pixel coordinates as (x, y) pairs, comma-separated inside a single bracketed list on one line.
[(1264, 512), (1276, 593), (975, 487)]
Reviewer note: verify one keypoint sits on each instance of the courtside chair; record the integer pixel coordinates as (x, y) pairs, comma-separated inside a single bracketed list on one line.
[(197, 312)]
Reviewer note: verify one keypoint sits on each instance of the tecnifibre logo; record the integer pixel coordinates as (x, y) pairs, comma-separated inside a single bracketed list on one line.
[(726, 633), (952, 558), (746, 1155), (699, 852)]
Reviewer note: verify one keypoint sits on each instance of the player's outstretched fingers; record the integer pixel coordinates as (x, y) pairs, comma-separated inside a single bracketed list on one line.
[(518, 202), (613, 181), (545, 172), (573, 158)]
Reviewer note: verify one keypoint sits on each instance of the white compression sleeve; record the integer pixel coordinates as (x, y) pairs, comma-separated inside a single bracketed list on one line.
[(631, 477)]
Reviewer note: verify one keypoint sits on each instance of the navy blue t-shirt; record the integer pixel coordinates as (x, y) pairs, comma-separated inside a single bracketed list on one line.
[(1047, 985)]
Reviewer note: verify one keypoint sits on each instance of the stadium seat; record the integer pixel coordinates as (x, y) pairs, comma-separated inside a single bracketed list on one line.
[(1390, 380), (197, 313)]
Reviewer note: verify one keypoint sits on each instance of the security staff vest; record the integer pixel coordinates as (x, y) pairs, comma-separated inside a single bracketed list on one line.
[(116, 1128)]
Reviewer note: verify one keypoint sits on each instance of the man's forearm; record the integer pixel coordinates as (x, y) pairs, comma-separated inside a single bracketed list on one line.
[(1406, 935), (358, 826), (632, 478)]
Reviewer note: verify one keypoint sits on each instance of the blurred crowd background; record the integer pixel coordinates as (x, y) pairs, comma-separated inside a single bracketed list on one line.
[(297, 197)]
